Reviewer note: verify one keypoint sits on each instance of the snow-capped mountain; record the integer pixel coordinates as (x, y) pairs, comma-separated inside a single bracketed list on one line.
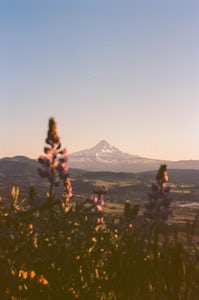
[(105, 157), (103, 151)]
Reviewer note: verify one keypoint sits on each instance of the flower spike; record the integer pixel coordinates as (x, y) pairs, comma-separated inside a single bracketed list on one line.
[(54, 163)]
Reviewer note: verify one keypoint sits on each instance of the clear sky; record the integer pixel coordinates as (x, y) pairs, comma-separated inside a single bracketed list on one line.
[(123, 71)]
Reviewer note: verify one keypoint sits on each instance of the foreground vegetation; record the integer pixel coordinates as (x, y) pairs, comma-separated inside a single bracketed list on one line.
[(64, 249)]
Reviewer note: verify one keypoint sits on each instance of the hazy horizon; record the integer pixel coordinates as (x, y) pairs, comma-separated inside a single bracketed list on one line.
[(122, 71), (80, 150)]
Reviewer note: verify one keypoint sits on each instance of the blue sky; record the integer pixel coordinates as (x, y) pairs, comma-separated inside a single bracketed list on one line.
[(123, 71)]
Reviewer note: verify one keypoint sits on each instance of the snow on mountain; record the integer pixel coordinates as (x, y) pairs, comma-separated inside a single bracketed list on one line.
[(102, 151), (105, 157)]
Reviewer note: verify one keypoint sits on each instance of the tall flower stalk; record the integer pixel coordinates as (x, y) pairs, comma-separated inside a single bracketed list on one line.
[(53, 164), (157, 209)]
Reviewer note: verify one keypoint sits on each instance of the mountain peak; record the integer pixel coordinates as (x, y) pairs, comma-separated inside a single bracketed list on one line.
[(104, 146), (103, 143), (105, 157)]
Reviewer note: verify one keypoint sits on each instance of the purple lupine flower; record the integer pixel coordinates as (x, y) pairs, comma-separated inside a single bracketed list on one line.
[(94, 198), (63, 151), (97, 201), (47, 150), (54, 163), (101, 200), (64, 159), (157, 208)]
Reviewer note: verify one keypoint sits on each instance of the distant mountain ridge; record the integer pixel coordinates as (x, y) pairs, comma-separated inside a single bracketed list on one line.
[(22, 172), (101, 157), (105, 157)]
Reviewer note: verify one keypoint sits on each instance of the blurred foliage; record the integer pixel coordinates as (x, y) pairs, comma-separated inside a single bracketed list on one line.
[(62, 251)]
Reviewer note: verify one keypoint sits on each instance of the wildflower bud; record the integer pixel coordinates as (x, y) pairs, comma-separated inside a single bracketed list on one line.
[(63, 152), (162, 175), (101, 201), (47, 150), (49, 142), (64, 159), (45, 161), (94, 198)]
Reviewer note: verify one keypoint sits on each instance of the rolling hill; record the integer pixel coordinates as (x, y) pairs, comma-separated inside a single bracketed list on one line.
[(22, 172)]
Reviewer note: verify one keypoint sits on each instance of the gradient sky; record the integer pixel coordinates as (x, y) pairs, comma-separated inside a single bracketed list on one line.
[(123, 71)]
